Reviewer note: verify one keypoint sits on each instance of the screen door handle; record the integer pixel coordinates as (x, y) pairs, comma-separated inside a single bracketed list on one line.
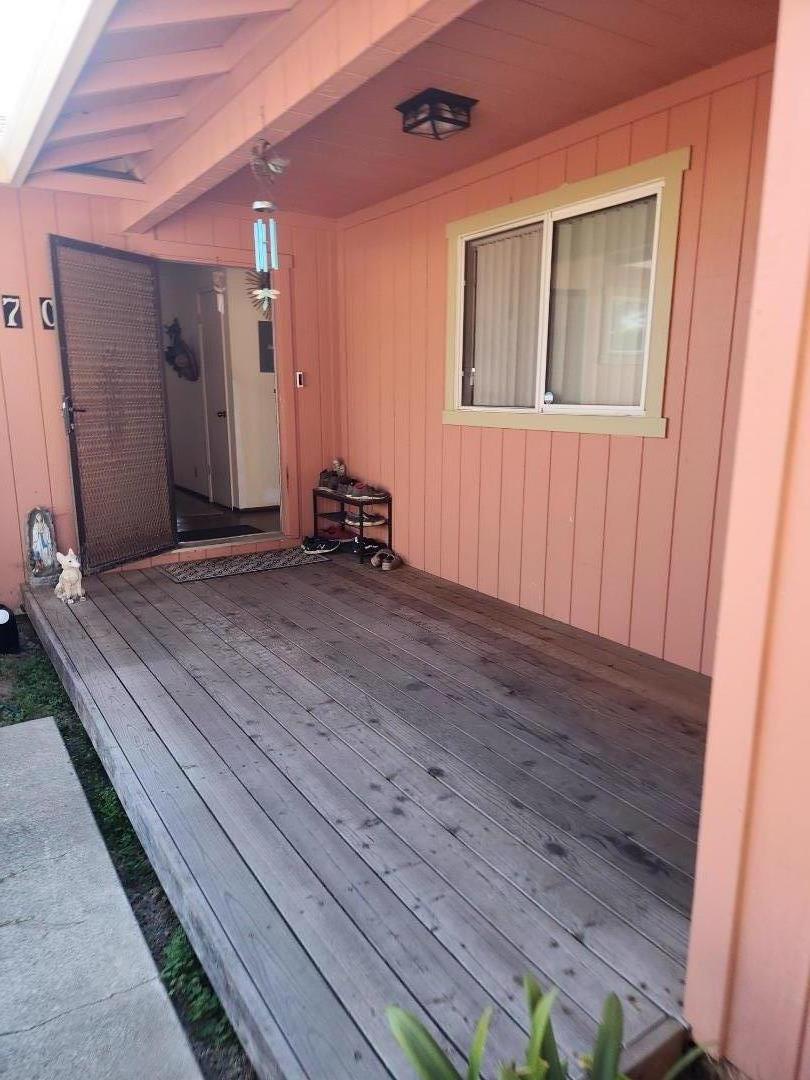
[(68, 412)]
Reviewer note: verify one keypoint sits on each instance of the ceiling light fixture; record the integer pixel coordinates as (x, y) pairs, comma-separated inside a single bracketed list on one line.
[(436, 114)]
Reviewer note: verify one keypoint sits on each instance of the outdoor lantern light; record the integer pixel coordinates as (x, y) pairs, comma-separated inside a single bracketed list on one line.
[(436, 114)]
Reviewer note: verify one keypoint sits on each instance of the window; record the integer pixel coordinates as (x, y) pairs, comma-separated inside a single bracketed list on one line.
[(561, 305)]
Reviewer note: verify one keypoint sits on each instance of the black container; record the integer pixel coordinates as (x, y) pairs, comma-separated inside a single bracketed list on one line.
[(9, 634)]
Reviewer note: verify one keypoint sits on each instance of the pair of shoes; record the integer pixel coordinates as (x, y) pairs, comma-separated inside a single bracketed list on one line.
[(361, 490), (368, 547), (317, 545), (386, 559), (364, 517)]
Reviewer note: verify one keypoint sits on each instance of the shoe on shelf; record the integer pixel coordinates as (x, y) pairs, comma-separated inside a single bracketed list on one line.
[(337, 533), (318, 545), (364, 517), (361, 490)]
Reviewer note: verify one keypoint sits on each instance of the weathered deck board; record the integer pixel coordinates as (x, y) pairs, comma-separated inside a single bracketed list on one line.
[(360, 791)]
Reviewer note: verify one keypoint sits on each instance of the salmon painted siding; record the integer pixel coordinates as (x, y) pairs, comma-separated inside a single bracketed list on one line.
[(618, 535), (34, 456), (748, 993)]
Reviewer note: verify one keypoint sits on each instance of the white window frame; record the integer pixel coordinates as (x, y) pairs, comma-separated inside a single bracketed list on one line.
[(659, 177)]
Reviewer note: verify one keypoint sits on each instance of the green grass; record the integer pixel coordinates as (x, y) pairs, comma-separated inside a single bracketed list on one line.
[(186, 982), (36, 691)]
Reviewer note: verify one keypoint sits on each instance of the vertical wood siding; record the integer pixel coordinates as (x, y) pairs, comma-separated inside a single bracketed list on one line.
[(618, 535), (34, 457)]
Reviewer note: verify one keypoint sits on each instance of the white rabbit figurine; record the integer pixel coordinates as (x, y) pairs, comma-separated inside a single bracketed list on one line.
[(69, 586)]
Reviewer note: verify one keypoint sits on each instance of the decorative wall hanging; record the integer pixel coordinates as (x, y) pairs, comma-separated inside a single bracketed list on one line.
[(41, 544), (180, 355)]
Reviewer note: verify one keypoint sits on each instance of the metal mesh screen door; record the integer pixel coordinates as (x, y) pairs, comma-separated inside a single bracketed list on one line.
[(115, 406)]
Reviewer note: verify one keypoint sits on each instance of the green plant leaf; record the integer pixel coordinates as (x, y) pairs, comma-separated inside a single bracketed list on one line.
[(684, 1062), (478, 1045), (540, 1022), (533, 993), (425, 1054), (557, 1070), (607, 1049)]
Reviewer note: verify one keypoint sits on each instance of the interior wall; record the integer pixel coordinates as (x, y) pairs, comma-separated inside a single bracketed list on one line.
[(34, 454), (253, 401), (185, 399), (618, 535)]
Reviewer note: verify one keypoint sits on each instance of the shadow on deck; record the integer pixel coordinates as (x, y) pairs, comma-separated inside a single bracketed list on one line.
[(362, 789)]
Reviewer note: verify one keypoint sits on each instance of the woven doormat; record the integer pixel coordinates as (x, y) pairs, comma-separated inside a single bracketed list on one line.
[(238, 564)]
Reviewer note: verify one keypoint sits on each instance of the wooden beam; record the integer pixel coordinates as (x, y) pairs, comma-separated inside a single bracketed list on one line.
[(152, 14), (83, 184), (274, 89), (89, 150), (150, 71), (116, 118)]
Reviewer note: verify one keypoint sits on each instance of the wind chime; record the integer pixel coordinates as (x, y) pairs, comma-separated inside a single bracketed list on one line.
[(266, 167)]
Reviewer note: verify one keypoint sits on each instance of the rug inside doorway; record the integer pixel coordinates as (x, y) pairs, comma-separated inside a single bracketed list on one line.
[(238, 564)]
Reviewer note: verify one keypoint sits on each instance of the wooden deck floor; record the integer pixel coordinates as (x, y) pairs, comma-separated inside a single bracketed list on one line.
[(361, 789)]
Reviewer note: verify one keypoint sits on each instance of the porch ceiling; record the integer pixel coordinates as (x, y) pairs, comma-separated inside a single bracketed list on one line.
[(534, 65), (153, 61), (175, 92)]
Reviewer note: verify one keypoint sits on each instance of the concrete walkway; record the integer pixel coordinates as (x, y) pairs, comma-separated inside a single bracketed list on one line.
[(80, 994)]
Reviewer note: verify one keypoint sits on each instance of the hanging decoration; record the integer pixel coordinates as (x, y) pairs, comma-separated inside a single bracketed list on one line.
[(179, 355), (266, 167), (260, 292)]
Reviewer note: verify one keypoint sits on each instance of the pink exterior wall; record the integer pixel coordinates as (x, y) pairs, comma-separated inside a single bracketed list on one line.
[(748, 991), (617, 535), (34, 458)]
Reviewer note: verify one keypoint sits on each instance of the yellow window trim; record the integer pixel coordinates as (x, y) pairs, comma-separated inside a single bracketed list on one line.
[(667, 169)]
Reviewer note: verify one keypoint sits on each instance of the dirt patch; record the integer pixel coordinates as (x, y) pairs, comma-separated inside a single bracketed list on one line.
[(30, 688)]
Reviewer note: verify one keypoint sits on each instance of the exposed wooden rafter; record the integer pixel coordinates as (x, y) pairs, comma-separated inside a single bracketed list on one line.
[(116, 118), (150, 71), (91, 150), (149, 14)]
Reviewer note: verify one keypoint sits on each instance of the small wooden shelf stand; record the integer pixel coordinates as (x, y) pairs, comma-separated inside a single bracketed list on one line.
[(339, 516)]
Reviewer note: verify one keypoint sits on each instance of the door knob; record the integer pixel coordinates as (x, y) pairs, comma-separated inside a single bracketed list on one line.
[(222, 412)]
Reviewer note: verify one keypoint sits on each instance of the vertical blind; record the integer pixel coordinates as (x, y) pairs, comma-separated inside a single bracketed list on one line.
[(502, 313), (599, 283), (601, 269)]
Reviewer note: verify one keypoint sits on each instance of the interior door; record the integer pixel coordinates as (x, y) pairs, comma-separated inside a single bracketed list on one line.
[(212, 339), (108, 314)]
